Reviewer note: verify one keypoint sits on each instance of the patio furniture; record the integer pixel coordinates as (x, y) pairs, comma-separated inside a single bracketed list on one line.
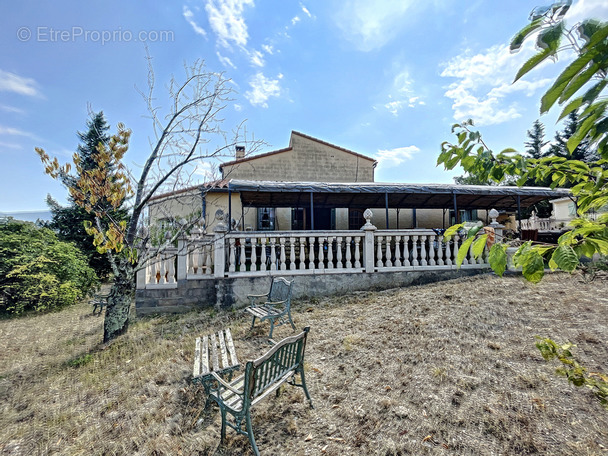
[(274, 306), (261, 377)]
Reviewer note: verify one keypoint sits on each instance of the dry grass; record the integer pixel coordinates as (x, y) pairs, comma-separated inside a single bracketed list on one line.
[(447, 368)]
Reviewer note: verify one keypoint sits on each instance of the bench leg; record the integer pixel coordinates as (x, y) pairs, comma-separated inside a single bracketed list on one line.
[(223, 431), (254, 447), (271, 327), (303, 379), (291, 321), (252, 323)]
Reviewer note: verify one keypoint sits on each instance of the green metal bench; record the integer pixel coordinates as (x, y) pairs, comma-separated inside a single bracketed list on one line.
[(274, 306), (99, 302), (261, 377)]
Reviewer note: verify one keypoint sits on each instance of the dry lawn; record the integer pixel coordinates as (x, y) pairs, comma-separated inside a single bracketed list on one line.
[(446, 368)]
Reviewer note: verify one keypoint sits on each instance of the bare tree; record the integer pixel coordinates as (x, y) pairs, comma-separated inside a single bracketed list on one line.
[(187, 134)]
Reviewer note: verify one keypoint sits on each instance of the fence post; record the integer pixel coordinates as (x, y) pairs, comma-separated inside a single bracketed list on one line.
[(368, 244), (219, 249)]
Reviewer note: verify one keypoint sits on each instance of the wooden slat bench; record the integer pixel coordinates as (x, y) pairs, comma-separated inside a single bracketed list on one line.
[(261, 377), (214, 353)]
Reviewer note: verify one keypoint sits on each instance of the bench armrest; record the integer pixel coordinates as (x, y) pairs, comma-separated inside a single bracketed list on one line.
[(253, 298), (274, 303), (226, 384)]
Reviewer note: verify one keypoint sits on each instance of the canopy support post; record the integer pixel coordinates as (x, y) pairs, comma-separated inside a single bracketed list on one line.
[(312, 213), (229, 208), (386, 207), (519, 215)]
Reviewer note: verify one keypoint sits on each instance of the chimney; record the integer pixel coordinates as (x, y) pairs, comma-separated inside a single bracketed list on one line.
[(240, 152)]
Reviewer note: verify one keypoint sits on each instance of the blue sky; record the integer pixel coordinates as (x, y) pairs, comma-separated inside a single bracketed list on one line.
[(383, 78)]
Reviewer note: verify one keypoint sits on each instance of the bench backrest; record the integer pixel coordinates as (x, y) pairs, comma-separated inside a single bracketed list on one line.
[(265, 372), (280, 290)]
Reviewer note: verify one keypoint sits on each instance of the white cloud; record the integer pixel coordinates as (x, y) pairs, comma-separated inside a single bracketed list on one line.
[(225, 61), (238, 107), (305, 10), (295, 20), (227, 21), (10, 131), (10, 146), (189, 16), (587, 9), (256, 58), (11, 82), (401, 94), (12, 109), (484, 82), (207, 170), (370, 25), (395, 157), (262, 88), (268, 49)]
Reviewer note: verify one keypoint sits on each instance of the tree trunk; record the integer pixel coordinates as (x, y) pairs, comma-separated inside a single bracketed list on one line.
[(116, 321)]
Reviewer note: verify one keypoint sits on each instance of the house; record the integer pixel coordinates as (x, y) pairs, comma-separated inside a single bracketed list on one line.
[(313, 211), (305, 160)]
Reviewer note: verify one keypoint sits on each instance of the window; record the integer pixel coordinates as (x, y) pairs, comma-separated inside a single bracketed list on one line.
[(466, 215), (355, 219), (571, 209), (266, 218), (297, 218)]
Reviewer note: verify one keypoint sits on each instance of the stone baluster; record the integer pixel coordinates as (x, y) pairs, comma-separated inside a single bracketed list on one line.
[(163, 270), (263, 254), (209, 259), (388, 252), (455, 254), (330, 253), (292, 253), (432, 261), (406, 251), (339, 264), (170, 260), (448, 253), (243, 266), (423, 257), (283, 263), (311, 253), (472, 259), (273, 254), (440, 252), (321, 255), (357, 252), (379, 263), (397, 251), (466, 260), (349, 263), (254, 254), (302, 264), (232, 260), (415, 251)]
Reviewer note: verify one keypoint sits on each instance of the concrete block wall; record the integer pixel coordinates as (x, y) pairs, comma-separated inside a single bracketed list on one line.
[(231, 293)]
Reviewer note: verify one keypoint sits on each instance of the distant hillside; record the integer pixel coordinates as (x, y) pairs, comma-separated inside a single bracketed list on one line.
[(28, 216)]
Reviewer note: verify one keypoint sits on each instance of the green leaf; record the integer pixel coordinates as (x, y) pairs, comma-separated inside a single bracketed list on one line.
[(582, 130), (565, 258), (572, 106), (532, 62), (597, 30), (521, 36), (594, 91), (498, 259), (463, 251), (473, 231), (451, 231), (479, 245), (533, 267), (578, 81)]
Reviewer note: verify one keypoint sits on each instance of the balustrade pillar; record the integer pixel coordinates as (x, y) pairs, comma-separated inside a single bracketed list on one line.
[(368, 246)]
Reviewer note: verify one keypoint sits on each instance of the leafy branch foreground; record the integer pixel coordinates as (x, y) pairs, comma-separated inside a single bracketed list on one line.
[(441, 368), (573, 370)]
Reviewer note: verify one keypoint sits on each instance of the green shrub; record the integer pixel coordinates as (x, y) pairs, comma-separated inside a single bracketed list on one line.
[(38, 272)]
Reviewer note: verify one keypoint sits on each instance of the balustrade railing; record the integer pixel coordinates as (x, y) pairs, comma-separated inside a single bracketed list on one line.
[(298, 252), (258, 253)]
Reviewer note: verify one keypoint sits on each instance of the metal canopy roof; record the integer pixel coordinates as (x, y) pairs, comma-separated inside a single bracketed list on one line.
[(376, 194)]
